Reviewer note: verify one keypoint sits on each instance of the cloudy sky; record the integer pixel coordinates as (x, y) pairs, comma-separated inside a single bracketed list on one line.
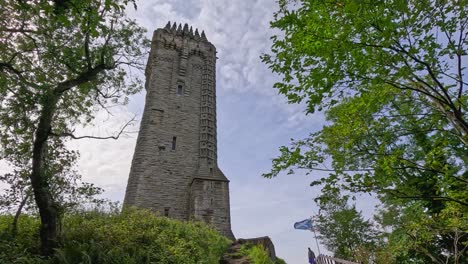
[(253, 121)]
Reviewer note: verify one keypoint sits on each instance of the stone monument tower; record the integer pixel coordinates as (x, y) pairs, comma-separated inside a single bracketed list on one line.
[(174, 169)]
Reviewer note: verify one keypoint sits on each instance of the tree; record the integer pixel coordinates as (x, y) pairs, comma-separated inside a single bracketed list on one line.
[(66, 186), (390, 77), (343, 230), (413, 236), (60, 62)]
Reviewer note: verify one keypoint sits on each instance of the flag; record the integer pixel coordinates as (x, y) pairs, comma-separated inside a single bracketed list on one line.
[(304, 224)]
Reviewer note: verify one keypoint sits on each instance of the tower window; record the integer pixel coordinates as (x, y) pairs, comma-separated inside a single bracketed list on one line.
[(180, 90), (174, 140), (166, 211)]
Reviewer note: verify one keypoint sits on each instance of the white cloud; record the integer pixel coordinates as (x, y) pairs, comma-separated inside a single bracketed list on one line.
[(106, 163), (239, 30)]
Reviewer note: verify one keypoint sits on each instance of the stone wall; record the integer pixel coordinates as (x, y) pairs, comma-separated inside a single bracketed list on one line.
[(210, 203)]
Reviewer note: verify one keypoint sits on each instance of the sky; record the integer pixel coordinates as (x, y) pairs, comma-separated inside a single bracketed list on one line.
[(253, 122)]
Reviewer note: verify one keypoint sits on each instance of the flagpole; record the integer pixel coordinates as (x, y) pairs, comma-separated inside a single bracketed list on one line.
[(315, 235)]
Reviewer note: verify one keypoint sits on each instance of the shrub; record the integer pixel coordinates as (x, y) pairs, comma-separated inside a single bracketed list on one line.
[(135, 236), (257, 254), (24, 246)]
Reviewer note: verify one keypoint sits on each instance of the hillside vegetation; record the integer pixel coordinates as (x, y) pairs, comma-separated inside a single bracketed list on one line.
[(131, 237)]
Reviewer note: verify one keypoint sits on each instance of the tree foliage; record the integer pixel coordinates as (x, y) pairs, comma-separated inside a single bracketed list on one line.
[(414, 236), (390, 76), (343, 230), (60, 62)]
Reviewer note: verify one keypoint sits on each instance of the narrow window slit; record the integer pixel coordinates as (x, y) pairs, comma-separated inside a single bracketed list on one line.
[(174, 140)]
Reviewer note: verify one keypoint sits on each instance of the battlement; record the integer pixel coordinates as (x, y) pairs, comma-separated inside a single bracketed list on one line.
[(184, 31), (186, 42), (183, 39)]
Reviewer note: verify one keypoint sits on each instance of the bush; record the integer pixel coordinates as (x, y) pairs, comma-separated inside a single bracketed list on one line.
[(24, 246), (257, 254), (135, 236)]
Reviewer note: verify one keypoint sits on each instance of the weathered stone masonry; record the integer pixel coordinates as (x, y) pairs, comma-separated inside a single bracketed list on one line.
[(174, 170)]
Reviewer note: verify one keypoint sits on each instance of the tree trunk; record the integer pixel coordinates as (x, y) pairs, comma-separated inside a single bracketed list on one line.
[(14, 229), (48, 210)]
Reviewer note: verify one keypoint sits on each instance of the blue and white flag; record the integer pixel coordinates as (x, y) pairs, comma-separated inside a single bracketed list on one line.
[(304, 224)]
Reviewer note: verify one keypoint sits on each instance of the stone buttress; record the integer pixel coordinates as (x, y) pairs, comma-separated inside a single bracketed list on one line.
[(174, 169)]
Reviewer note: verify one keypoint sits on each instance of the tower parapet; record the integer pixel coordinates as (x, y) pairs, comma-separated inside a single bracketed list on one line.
[(185, 31), (174, 169)]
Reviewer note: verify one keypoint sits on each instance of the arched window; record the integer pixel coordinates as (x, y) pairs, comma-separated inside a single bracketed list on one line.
[(180, 89)]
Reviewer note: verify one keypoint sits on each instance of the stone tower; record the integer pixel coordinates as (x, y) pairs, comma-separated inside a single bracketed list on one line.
[(174, 169)]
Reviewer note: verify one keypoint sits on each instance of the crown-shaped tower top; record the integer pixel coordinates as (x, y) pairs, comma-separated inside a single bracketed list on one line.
[(185, 31)]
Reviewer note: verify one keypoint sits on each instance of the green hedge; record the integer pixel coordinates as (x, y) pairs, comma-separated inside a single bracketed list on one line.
[(133, 237)]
